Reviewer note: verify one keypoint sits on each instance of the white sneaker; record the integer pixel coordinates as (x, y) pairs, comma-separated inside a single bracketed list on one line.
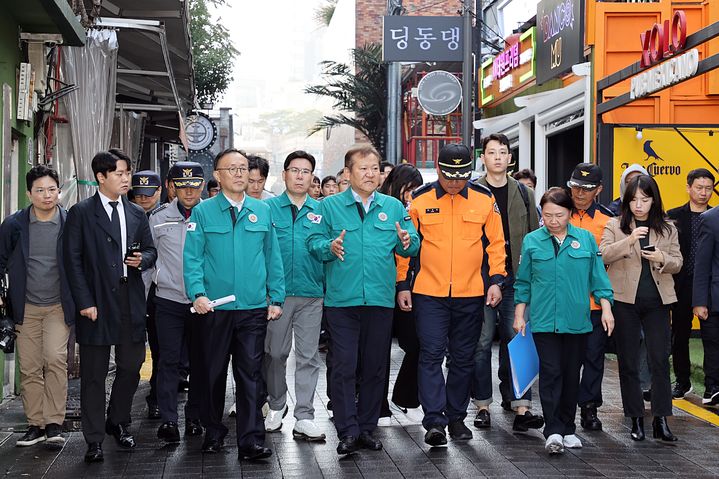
[(384, 422), (554, 444), (415, 414), (307, 429), (273, 421), (572, 442), (233, 410)]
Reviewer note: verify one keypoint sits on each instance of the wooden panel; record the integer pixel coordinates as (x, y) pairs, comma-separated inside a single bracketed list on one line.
[(644, 111), (694, 112)]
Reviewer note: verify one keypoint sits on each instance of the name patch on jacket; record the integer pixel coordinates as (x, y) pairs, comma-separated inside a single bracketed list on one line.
[(314, 219), (191, 226), (429, 211)]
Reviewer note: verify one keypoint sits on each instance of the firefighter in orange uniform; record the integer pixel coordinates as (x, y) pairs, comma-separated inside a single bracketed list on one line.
[(452, 216), (585, 185)]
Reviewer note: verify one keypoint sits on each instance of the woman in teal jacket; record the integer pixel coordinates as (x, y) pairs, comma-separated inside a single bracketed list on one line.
[(559, 268)]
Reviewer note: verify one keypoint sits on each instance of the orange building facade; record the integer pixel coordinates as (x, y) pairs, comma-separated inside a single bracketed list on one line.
[(669, 132)]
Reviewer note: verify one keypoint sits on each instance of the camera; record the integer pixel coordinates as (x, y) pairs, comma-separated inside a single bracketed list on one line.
[(7, 335)]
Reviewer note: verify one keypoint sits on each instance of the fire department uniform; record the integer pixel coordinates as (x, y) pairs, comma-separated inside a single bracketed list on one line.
[(448, 290)]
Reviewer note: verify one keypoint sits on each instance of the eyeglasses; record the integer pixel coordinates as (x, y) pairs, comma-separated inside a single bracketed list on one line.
[(572, 184), (296, 171), (41, 191), (233, 170)]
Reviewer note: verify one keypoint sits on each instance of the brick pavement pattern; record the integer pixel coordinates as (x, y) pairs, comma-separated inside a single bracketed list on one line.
[(497, 452)]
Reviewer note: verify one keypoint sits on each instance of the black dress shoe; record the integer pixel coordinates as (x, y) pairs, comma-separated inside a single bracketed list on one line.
[(94, 453), (253, 452), (637, 433), (525, 422), (458, 431), (153, 411), (212, 445), (348, 445), (169, 432), (367, 441), (589, 419), (193, 427), (435, 436), (661, 429), (483, 420), (183, 386), (121, 434)]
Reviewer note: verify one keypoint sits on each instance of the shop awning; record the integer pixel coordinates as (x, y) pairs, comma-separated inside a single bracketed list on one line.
[(154, 64), (49, 17)]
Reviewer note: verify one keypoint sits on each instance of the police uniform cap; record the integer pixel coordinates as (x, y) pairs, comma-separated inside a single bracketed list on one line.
[(186, 174), (455, 161), (585, 175), (145, 182)]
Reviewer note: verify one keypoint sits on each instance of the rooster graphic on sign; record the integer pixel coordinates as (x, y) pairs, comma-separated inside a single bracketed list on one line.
[(650, 151)]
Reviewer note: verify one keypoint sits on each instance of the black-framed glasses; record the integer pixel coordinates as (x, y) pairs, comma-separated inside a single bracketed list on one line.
[(233, 170)]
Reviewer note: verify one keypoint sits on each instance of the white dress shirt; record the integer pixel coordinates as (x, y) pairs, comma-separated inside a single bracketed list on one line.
[(358, 199), (123, 225)]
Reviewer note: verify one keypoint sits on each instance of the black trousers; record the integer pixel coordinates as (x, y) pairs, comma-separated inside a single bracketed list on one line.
[(405, 393), (360, 334), (151, 397), (560, 359), (682, 317), (654, 320), (94, 362), (240, 334), (710, 341), (174, 322), (590, 386)]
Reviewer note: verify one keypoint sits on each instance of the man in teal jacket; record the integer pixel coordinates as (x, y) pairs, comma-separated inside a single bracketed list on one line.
[(356, 234), (232, 249), (302, 313)]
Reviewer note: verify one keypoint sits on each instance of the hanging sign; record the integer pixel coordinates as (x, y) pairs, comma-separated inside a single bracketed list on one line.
[(560, 42), (514, 67), (421, 39)]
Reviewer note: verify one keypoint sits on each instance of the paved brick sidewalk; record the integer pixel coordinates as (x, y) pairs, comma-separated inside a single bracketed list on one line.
[(492, 453)]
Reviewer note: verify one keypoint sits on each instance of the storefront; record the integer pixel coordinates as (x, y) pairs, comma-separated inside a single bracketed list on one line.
[(535, 93), (657, 95)]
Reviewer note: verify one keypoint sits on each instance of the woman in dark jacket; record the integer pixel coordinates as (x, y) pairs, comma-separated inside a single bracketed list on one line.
[(399, 183), (641, 248)]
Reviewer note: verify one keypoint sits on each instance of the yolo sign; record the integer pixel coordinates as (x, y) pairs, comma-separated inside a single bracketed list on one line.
[(659, 43), (655, 42)]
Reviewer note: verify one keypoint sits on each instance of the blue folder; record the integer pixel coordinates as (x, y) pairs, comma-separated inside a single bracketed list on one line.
[(524, 362)]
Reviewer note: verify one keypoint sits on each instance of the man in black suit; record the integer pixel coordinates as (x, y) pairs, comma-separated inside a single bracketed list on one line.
[(700, 185), (705, 300), (107, 244)]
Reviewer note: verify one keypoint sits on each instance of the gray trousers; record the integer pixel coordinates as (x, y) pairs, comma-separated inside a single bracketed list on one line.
[(303, 316)]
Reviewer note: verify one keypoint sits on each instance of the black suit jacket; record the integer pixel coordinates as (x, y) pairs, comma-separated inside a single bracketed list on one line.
[(681, 216), (14, 255), (94, 272), (706, 263)]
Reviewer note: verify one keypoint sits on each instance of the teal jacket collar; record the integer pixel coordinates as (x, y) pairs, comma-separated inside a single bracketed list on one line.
[(349, 198), (310, 203)]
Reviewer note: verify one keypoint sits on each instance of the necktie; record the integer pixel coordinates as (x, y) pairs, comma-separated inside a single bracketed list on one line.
[(115, 225)]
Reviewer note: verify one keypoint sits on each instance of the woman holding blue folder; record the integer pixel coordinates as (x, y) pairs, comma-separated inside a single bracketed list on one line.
[(559, 268)]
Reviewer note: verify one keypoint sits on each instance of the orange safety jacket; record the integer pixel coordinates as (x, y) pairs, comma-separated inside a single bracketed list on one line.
[(452, 229), (593, 219)]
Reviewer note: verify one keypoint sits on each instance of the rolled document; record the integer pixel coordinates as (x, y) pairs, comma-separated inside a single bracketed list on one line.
[(217, 302)]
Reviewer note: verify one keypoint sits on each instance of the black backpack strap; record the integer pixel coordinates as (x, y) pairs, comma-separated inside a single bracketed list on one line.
[(525, 195)]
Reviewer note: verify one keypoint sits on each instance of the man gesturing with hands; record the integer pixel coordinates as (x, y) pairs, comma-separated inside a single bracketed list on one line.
[(231, 248), (356, 234)]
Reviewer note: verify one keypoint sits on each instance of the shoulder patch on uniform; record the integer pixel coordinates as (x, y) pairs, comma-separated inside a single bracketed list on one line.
[(420, 190), (159, 208), (479, 187)]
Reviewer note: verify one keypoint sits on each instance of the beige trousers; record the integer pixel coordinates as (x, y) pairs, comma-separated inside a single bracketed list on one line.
[(42, 355)]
